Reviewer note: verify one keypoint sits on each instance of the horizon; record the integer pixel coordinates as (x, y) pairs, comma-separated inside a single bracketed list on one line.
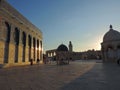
[(82, 22)]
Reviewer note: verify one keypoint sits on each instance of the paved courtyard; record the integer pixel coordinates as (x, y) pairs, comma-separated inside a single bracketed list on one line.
[(79, 75)]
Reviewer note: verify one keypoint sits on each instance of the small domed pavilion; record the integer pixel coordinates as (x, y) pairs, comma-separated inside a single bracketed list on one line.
[(110, 46)]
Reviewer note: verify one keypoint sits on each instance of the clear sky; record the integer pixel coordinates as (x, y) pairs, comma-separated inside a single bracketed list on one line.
[(84, 22)]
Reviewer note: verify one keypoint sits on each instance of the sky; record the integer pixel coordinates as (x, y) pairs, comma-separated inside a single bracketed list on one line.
[(83, 22)]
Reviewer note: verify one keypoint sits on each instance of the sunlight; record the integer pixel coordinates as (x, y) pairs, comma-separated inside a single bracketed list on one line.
[(97, 43), (92, 44)]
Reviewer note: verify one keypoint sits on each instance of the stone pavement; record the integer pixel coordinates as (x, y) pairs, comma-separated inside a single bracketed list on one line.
[(79, 75)]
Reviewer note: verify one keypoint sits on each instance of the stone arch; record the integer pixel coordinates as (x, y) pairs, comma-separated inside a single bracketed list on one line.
[(54, 54), (51, 54), (118, 51), (7, 40), (41, 44), (48, 54), (29, 45), (24, 45), (34, 44), (8, 28), (110, 51), (16, 38), (24, 38)]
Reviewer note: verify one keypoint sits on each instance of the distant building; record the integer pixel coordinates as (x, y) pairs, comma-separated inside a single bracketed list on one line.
[(62, 54), (110, 46), (91, 54), (20, 40), (70, 47), (61, 50), (71, 55)]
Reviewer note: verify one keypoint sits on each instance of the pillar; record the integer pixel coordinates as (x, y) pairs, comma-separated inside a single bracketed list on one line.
[(27, 49), (11, 55), (20, 48), (2, 43)]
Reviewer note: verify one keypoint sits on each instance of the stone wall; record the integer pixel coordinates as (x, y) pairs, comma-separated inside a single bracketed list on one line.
[(20, 40)]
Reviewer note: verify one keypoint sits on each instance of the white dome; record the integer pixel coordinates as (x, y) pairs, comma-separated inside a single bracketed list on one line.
[(111, 35)]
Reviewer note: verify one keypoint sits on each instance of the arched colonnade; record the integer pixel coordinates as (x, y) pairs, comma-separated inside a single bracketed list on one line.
[(20, 46)]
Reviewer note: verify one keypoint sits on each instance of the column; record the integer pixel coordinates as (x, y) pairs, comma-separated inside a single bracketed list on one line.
[(35, 49), (27, 50), (2, 42), (11, 55), (31, 47), (20, 47)]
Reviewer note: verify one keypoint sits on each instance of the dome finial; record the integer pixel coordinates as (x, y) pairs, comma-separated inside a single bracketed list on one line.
[(111, 26)]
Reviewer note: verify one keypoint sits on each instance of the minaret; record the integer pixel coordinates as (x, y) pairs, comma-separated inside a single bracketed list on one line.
[(70, 47)]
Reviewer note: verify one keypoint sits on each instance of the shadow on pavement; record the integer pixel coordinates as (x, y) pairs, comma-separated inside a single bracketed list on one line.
[(102, 76)]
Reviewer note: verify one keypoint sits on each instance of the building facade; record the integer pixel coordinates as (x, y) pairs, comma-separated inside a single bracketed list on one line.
[(110, 46), (91, 54), (20, 40), (62, 54), (71, 55)]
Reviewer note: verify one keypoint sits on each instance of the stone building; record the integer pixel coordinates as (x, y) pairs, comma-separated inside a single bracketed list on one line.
[(62, 47), (91, 54), (110, 46), (62, 54), (71, 55), (20, 40), (51, 53)]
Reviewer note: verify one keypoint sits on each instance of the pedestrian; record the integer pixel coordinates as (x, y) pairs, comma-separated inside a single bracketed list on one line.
[(31, 62), (38, 61), (44, 59)]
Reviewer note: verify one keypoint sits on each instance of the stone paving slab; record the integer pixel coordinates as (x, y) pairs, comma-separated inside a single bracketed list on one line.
[(79, 75)]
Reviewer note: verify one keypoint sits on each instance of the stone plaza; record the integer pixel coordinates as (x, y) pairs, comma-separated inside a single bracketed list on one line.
[(78, 75)]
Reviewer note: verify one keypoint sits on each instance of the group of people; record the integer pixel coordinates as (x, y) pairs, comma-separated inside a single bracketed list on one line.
[(31, 61), (47, 60)]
